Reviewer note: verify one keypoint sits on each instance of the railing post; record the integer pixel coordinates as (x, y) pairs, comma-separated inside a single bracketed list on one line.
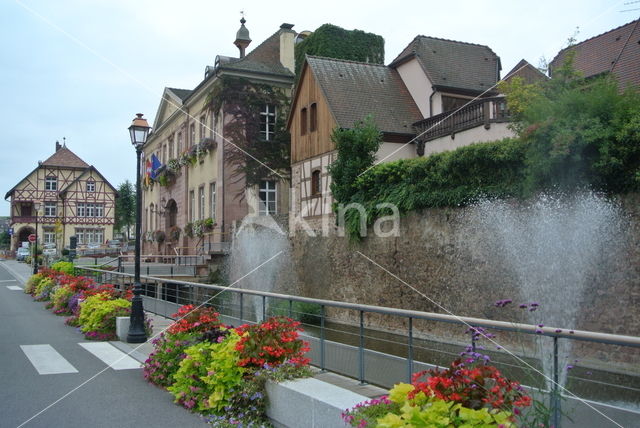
[(473, 338), (410, 351), (322, 342), (241, 306), (555, 395), (290, 308), (361, 349), (264, 308), (119, 264)]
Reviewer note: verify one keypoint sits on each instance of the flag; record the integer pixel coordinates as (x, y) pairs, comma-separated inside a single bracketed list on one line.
[(147, 172), (155, 166)]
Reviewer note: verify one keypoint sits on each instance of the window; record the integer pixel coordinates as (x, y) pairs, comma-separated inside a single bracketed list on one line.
[(99, 212), (179, 144), (313, 125), (90, 236), (452, 103), (202, 127), (171, 152), (267, 122), (315, 183), (49, 209), (213, 125), (164, 153), (151, 211), (303, 121), (212, 202), (192, 134), (201, 203), (91, 186), (267, 196), (192, 202), (51, 183), (49, 236), (81, 209)]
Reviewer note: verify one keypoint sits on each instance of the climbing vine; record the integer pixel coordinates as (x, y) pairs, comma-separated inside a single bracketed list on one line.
[(253, 157), (335, 42)]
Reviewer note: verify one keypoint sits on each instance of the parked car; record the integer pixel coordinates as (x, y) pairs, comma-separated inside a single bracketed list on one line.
[(114, 243), (93, 245), (22, 254)]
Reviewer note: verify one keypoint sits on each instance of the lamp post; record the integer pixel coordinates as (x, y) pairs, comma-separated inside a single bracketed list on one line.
[(36, 206), (139, 130)]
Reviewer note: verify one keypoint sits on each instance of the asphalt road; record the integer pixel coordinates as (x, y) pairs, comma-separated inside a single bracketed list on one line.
[(92, 396)]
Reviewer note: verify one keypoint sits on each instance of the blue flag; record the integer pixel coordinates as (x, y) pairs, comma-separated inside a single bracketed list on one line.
[(155, 166)]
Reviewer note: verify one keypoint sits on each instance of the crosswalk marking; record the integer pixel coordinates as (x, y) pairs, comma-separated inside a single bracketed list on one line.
[(14, 287), (111, 355), (8, 280), (47, 360)]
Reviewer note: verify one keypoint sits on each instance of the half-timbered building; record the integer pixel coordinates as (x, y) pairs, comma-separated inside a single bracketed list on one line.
[(436, 95), (69, 197)]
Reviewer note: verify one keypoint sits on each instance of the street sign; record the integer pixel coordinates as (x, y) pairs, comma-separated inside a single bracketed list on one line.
[(11, 231), (32, 238)]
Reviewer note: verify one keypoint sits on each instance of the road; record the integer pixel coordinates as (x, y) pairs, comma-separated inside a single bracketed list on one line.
[(64, 381)]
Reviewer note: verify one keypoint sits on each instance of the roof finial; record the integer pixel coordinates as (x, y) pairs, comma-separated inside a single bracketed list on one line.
[(242, 36), (64, 142), (242, 20)]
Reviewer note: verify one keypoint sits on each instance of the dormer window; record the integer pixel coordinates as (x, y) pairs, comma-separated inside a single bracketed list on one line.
[(313, 122), (91, 186), (51, 183), (303, 121), (268, 122)]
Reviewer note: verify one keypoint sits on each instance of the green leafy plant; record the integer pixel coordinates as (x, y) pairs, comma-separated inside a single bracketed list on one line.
[(208, 375), (98, 315), (64, 267), (32, 283), (164, 361)]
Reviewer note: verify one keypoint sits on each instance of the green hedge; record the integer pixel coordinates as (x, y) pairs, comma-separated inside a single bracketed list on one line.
[(455, 178)]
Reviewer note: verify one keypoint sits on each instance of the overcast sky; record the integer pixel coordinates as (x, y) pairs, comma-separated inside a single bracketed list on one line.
[(81, 69)]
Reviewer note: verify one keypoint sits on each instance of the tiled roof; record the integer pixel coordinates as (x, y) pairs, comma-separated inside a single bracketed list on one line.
[(616, 51), (265, 58), (454, 64), (65, 158), (356, 89), (528, 72), (183, 94)]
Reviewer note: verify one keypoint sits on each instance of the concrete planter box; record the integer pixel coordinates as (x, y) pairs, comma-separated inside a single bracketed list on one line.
[(122, 328), (309, 403)]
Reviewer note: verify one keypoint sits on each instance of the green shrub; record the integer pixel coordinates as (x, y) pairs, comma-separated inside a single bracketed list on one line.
[(164, 361), (44, 287), (98, 316), (306, 313), (208, 375), (32, 283), (64, 267), (60, 298)]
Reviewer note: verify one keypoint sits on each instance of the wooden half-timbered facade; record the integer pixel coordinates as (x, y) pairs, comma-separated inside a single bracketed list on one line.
[(73, 197)]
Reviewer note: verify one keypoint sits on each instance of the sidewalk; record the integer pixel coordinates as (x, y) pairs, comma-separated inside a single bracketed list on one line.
[(20, 271)]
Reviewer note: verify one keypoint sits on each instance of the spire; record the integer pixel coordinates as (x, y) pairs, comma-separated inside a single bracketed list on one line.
[(242, 37)]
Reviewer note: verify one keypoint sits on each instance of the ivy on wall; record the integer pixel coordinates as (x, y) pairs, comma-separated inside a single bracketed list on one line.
[(334, 42), (253, 158)]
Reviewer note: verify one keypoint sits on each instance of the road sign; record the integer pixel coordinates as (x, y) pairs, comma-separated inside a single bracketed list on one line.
[(32, 238), (11, 231)]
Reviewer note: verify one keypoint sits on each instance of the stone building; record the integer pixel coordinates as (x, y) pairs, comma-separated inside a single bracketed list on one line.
[(195, 194), (69, 197)]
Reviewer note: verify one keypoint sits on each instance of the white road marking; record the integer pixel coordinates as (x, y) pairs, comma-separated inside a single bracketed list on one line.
[(14, 287), (47, 360), (8, 280), (110, 355)]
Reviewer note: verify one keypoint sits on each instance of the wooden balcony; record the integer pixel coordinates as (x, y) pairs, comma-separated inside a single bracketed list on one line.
[(481, 112)]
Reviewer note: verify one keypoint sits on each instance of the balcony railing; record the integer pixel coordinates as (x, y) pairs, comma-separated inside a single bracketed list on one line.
[(483, 111), (32, 219)]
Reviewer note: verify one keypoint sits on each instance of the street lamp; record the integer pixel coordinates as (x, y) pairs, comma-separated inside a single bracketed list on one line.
[(139, 130), (36, 206)]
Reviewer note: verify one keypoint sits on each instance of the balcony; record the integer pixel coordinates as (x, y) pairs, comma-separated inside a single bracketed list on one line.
[(481, 112)]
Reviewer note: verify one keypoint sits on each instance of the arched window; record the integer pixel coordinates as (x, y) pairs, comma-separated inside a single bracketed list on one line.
[(171, 214), (315, 183), (303, 121), (313, 125)]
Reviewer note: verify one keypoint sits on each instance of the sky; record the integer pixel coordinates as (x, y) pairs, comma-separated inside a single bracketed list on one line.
[(81, 69)]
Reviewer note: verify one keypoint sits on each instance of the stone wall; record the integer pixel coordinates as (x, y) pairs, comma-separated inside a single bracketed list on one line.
[(446, 262)]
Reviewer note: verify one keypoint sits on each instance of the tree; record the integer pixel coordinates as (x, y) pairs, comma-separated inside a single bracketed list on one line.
[(357, 148), (5, 240), (125, 207), (579, 132)]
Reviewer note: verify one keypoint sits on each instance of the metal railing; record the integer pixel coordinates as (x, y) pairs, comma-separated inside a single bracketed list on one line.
[(164, 297)]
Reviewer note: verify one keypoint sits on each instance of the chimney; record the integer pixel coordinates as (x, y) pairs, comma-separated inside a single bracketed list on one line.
[(287, 43), (242, 38), (58, 146)]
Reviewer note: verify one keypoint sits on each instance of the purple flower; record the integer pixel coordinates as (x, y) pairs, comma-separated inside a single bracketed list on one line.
[(523, 306)]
